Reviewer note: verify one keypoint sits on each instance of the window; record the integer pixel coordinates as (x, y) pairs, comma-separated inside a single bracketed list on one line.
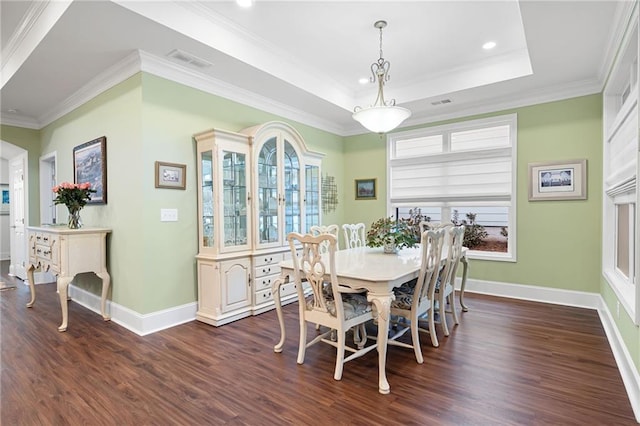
[(464, 173), (620, 174)]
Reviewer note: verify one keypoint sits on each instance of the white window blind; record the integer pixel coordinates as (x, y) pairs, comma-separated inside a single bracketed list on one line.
[(475, 164)]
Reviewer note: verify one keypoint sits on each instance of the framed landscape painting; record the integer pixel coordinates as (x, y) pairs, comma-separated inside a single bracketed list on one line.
[(90, 165), (365, 189)]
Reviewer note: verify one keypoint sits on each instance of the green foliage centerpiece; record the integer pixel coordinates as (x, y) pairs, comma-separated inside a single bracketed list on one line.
[(391, 234)]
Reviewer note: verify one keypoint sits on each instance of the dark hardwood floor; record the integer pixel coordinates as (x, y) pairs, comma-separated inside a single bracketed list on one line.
[(509, 362)]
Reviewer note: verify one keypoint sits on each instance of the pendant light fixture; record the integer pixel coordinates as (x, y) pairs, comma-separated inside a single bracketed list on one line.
[(383, 116)]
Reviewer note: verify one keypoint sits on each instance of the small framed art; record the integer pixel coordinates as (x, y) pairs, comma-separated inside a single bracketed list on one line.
[(170, 175), (365, 189), (558, 180)]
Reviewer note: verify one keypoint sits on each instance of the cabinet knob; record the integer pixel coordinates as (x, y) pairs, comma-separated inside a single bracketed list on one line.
[(266, 271)]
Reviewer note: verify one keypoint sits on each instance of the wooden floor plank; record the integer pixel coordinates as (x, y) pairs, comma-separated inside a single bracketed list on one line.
[(509, 362)]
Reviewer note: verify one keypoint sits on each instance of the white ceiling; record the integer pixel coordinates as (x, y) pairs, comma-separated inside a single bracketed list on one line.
[(302, 59)]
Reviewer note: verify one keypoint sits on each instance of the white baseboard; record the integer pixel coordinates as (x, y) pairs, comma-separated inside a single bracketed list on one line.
[(141, 324), (580, 299)]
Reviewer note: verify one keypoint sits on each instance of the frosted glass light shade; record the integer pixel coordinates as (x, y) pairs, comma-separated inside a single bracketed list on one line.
[(381, 119)]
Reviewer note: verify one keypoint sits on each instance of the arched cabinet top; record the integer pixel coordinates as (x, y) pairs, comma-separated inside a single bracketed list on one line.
[(262, 132)]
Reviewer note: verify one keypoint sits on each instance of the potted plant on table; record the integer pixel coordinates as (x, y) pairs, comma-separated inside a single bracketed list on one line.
[(391, 234)]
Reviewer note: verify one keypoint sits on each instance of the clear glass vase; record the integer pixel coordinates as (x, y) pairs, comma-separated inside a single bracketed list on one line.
[(75, 222)]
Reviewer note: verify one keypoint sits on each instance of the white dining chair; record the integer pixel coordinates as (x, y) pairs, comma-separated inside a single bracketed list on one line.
[(354, 235), (339, 310), (445, 285), (415, 299), (325, 229)]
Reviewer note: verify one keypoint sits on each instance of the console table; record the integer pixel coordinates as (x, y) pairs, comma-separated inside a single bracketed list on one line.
[(67, 252)]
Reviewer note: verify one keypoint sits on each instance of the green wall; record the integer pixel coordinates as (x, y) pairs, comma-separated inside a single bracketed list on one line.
[(148, 119), (558, 242), (28, 140)]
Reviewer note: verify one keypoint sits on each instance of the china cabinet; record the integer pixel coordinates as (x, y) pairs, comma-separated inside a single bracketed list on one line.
[(255, 187)]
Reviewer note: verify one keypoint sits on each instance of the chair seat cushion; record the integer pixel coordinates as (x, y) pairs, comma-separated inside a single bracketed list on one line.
[(354, 305), (403, 300)]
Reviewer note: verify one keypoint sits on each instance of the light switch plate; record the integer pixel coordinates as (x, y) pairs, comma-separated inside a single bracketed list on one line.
[(168, 215)]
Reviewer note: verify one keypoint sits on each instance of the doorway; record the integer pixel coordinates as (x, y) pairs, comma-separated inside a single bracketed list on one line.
[(14, 175)]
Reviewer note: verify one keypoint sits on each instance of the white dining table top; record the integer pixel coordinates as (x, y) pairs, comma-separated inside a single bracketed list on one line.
[(372, 264)]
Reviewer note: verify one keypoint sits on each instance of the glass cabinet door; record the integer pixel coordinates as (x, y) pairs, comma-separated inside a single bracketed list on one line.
[(292, 190), (234, 193), (206, 186), (268, 199), (312, 197)]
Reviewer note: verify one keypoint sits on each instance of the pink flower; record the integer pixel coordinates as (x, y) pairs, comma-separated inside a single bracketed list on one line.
[(85, 185), (56, 188)]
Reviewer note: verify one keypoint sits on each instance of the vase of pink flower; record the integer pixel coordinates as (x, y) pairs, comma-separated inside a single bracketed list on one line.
[(75, 197)]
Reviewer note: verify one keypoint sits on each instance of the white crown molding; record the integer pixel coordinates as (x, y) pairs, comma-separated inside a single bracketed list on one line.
[(164, 68), (110, 77), (625, 11), (19, 121), (40, 17)]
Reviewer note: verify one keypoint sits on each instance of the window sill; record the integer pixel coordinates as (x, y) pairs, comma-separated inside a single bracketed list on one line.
[(496, 256)]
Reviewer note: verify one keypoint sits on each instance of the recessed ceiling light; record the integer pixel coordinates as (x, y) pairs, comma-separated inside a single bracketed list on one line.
[(244, 3), (489, 45), (12, 110), (363, 80)]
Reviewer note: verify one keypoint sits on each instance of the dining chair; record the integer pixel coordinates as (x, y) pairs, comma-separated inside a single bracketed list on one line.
[(445, 285), (339, 310), (316, 230), (414, 301), (354, 235)]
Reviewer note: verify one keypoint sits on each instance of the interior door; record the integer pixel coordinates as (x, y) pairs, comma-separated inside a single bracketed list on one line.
[(18, 237)]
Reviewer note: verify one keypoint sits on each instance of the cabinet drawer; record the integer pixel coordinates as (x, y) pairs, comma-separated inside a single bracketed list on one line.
[(44, 239), (267, 259), (263, 296), (265, 282), (264, 270), (287, 289)]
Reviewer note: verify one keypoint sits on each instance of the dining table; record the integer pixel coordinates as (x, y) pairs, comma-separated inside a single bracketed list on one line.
[(370, 269)]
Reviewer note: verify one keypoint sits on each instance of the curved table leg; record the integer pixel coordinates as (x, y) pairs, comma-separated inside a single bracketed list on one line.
[(106, 280), (32, 287), (63, 288), (275, 291), (463, 284), (382, 302)]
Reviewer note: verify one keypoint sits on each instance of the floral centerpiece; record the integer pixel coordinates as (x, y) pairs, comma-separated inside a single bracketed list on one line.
[(391, 234), (75, 197)]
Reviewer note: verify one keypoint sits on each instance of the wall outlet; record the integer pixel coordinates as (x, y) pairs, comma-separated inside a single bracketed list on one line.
[(168, 215)]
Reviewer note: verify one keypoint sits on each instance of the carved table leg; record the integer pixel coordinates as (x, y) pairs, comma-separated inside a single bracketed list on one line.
[(63, 288), (32, 287), (463, 284), (106, 280), (382, 302), (275, 291)]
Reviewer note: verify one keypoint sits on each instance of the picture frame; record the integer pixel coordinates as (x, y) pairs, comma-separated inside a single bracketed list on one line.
[(170, 175), (558, 180), (366, 189), (90, 165), (5, 205)]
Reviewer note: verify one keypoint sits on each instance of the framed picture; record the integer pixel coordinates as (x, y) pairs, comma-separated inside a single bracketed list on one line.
[(558, 180), (4, 206), (170, 175), (90, 165), (365, 189)]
